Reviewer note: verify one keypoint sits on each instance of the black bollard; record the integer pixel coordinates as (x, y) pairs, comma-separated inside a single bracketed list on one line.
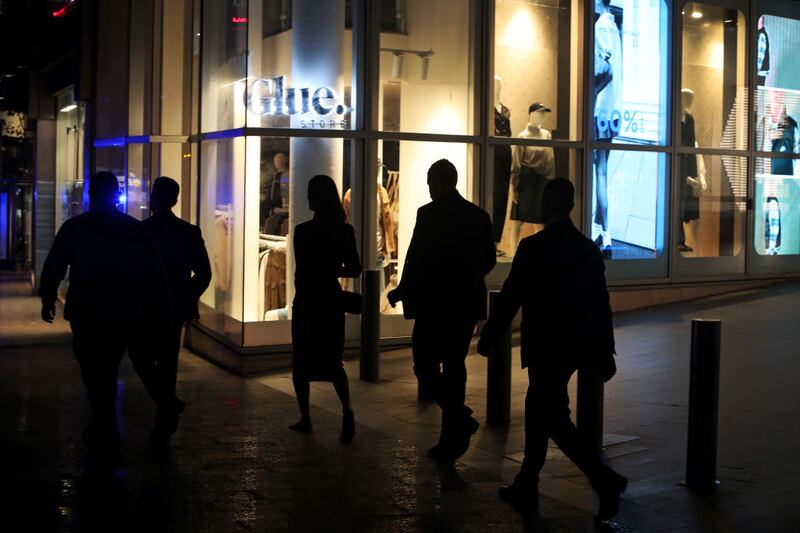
[(701, 455), (498, 380), (369, 364)]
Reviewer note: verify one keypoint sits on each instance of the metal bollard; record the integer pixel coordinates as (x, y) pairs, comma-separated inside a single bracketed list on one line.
[(369, 364), (701, 455), (498, 379)]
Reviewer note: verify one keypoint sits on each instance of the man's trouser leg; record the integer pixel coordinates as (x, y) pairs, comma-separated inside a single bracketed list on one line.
[(144, 353), (99, 350), (547, 415), (168, 355)]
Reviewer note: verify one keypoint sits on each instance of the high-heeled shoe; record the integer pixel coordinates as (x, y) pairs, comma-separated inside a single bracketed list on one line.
[(348, 427)]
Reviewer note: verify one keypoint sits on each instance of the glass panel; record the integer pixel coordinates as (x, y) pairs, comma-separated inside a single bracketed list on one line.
[(224, 64), (777, 207), (631, 48), (714, 93), (404, 181), (537, 48), (711, 205), (138, 185), (222, 224), (71, 199), (426, 71), (174, 161), (276, 202), (112, 159), (174, 72), (300, 71), (111, 98), (140, 105), (516, 185), (777, 84), (628, 203)]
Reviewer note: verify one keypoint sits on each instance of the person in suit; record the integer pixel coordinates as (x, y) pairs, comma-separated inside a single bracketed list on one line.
[(443, 289), (114, 279), (324, 250), (558, 279), (185, 260)]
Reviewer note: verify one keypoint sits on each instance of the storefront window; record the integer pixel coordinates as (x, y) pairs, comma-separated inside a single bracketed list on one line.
[(714, 92), (403, 190), (711, 208), (537, 59), (631, 71), (777, 84), (71, 196), (426, 73), (627, 204), (137, 188), (224, 64), (518, 186), (300, 71), (777, 207)]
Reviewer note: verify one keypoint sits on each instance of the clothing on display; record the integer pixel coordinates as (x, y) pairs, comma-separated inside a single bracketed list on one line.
[(690, 201), (762, 55), (386, 233), (271, 273), (785, 142), (608, 77), (502, 171), (531, 168), (772, 237)]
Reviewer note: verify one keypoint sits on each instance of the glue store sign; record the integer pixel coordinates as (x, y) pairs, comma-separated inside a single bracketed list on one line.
[(318, 109)]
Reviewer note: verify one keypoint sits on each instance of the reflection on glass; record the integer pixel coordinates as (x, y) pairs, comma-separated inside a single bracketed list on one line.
[(426, 71), (71, 198), (777, 207), (629, 201), (534, 42), (403, 191), (711, 207), (714, 73), (138, 184), (516, 209), (778, 85)]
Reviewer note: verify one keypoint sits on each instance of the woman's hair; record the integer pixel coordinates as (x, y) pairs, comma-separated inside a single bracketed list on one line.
[(324, 200)]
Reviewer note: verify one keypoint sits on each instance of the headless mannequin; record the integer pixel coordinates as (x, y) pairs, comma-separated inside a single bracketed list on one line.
[(523, 155), (697, 183), (502, 165)]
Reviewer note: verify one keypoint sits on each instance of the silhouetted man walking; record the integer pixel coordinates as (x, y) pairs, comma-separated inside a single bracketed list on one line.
[(443, 288), (185, 260), (114, 275), (558, 279)]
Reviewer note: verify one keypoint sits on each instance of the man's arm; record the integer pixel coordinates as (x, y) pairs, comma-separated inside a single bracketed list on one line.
[(604, 321), (201, 266), (410, 266), (508, 301), (53, 272)]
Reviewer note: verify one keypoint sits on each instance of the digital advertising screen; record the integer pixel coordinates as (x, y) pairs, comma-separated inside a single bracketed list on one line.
[(777, 94), (631, 44)]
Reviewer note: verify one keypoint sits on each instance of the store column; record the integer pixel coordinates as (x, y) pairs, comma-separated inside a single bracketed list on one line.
[(317, 42)]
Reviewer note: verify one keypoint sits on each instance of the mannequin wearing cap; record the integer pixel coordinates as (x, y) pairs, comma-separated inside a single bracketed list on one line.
[(531, 168), (693, 177), (502, 163)]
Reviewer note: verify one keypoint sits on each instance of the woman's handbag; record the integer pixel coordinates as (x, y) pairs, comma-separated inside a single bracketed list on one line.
[(352, 303)]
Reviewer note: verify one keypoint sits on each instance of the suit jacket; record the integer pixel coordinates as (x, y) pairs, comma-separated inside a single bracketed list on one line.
[(558, 278), (183, 253), (115, 276), (450, 253)]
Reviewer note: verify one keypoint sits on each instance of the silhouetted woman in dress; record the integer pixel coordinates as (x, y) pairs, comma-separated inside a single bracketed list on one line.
[(324, 251)]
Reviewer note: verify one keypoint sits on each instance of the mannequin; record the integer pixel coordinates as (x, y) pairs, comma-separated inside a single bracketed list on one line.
[(531, 168), (502, 164), (384, 234), (275, 199), (693, 178)]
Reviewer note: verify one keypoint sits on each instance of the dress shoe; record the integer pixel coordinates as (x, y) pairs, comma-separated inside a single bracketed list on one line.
[(523, 500), (609, 493), (304, 426)]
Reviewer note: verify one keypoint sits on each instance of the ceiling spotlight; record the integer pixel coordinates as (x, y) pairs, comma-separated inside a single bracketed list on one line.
[(425, 62), (68, 108), (697, 15)]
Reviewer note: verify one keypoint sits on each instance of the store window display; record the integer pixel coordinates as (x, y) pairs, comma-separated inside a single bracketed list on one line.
[(71, 199), (630, 107), (502, 164), (692, 177)]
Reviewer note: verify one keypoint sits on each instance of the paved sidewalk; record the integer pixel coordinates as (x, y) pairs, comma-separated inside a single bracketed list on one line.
[(235, 467)]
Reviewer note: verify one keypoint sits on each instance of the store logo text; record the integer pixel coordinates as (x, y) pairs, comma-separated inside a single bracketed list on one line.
[(272, 97)]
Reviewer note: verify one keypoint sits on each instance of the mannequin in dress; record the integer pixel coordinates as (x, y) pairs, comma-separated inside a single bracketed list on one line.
[(693, 178), (531, 168), (502, 164)]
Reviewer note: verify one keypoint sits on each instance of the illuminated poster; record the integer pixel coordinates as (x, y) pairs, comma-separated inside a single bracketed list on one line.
[(777, 189), (630, 107)]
